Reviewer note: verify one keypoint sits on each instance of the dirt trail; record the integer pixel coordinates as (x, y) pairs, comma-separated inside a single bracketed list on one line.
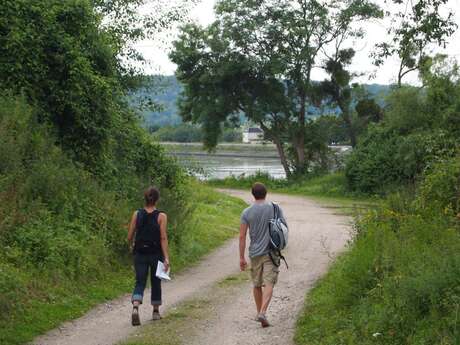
[(316, 233)]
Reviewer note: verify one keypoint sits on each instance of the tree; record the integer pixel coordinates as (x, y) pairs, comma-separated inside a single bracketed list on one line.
[(415, 27), (257, 58), (338, 88), (71, 61)]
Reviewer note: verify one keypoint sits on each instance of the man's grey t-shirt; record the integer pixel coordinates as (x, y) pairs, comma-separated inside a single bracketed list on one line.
[(257, 217)]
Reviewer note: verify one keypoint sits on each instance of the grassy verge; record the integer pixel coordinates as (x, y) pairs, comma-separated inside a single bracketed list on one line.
[(329, 190), (398, 284), (181, 323), (214, 219)]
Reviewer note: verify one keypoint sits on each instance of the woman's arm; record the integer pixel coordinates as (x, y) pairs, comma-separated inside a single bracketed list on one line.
[(163, 221), (132, 230)]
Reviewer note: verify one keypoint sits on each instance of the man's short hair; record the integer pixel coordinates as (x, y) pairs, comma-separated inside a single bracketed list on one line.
[(259, 191)]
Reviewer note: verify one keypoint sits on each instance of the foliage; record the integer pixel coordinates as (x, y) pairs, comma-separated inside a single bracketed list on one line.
[(58, 226), (257, 58), (386, 160), (333, 129), (188, 133), (399, 282), (164, 92), (420, 127), (62, 232), (66, 67), (184, 133), (414, 28), (440, 189), (323, 186)]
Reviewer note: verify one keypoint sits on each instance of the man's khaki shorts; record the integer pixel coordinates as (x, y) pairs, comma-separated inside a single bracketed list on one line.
[(263, 271)]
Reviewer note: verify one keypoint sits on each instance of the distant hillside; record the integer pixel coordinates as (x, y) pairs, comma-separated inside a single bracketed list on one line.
[(165, 90)]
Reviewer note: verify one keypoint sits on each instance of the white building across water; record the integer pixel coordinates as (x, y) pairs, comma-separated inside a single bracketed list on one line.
[(253, 135)]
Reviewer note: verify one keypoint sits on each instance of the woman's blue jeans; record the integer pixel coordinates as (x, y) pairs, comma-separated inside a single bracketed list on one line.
[(143, 263)]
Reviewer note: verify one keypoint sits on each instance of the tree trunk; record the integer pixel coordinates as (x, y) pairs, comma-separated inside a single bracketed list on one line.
[(299, 143), (344, 108), (350, 129), (270, 134), (282, 154)]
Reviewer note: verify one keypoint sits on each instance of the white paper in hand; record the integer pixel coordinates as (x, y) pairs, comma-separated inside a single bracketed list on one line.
[(161, 273)]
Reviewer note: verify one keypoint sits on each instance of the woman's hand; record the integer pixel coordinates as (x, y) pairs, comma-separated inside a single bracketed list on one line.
[(166, 264)]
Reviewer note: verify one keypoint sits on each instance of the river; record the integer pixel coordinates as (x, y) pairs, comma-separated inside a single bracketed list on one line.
[(231, 159), (227, 160)]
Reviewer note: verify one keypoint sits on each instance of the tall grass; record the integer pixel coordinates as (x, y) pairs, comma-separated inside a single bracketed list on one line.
[(329, 185), (400, 281), (63, 231)]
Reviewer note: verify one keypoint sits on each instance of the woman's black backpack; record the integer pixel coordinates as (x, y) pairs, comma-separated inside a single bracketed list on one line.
[(148, 238)]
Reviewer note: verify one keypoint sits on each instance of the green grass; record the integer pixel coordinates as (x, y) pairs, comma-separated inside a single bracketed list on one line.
[(63, 302), (175, 327), (329, 190), (215, 220), (398, 284), (46, 303), (181, 323)]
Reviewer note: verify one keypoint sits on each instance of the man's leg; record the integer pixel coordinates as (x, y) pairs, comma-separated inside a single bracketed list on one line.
[(266, 298), (258, 298), (270, 277)]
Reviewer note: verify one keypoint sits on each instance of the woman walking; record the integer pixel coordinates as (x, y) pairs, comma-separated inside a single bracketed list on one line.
[(147, 231)]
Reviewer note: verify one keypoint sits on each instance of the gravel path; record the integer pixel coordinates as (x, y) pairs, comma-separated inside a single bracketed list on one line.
[(316, 234)]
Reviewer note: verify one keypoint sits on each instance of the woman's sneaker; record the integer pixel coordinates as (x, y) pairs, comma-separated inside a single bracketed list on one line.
[(263, 320), (156, 315), (135, 319)]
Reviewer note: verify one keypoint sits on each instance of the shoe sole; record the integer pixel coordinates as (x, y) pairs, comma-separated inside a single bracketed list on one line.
[(135, 320)]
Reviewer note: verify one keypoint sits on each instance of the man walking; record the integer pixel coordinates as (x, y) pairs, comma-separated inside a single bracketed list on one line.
[(264, 272)]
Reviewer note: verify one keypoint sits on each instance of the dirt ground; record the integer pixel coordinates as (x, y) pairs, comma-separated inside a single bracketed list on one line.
[(316, 235)]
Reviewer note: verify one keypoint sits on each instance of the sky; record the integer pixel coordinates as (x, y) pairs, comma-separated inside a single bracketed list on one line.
[(157, 53)]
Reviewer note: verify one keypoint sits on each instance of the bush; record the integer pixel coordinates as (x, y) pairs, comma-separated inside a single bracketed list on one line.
[(420, 127), (385, 160), (62, 226), (440, 189), (399, 282)]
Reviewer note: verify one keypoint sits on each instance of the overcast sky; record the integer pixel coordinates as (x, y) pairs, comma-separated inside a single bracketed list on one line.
[(157, 54)]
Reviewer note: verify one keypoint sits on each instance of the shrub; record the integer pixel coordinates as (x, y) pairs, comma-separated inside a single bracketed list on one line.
[(62, 226), (384, 160), (440, 189), (398, 283)]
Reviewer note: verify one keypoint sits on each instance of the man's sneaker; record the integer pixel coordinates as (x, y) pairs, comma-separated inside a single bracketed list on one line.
[(263, 320), (156, 315), (135, 319)]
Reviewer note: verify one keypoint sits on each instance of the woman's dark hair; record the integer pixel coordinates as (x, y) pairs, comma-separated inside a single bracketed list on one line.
[(259, 191), (151, 196)]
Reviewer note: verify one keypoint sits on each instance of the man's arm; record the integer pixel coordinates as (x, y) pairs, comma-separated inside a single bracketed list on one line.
[(243, 233)]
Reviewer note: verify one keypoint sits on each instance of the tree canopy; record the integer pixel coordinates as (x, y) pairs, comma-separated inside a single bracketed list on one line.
[(258, 58)]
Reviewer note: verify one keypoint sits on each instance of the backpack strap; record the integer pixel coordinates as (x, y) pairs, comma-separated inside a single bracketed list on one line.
[(277, 264), (139, 216), (156, 214), (276, 210)]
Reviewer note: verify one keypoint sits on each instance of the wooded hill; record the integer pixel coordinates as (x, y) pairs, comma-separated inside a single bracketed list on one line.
[(165, 90)]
